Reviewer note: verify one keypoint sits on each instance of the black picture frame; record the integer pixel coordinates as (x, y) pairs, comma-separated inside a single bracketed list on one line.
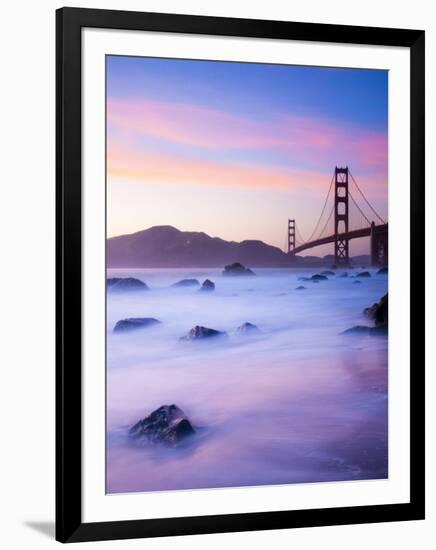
[(69, 23)]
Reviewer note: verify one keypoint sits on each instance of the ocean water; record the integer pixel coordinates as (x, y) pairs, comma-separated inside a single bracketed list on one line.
[(296, 403)]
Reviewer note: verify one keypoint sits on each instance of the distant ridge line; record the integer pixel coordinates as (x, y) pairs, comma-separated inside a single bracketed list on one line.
[(166, 246)]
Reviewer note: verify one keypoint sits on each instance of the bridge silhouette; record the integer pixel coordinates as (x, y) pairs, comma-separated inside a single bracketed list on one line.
[(346, 221)]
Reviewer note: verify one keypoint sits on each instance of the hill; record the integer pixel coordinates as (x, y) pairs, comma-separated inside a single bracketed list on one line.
[(166, 246)]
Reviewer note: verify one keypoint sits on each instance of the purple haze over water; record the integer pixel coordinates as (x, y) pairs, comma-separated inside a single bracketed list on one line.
[(296, 403)]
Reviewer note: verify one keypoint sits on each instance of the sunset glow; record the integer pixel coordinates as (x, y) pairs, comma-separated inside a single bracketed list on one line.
[(234, 149)]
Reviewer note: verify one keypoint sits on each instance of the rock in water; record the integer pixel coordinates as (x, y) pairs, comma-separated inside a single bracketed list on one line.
[(382, 271), (301, 287), (135, 323), (201, 333), (357, 282), (319, 277), (237, 269), (364, 274), (166, 425), (381, 330), (345, 274), (184, 283), (378, 312), (207, 286), (247, 328), (358, 329), (327, 272), (125, 284)]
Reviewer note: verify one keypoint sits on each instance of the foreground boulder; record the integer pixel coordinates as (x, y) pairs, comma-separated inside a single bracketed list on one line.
[(202, 333), (378, 312), (247, 328), (237, 269), (363, 274), (360, 329), (166, 425), (116, 284), (186, 283), (207, 286), (135, 323), (318, 277)]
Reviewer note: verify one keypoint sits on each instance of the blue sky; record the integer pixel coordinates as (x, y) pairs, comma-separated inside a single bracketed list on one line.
[(268, 134)]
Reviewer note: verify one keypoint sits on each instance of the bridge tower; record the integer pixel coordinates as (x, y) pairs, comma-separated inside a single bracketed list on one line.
[(291, 237), (341, 216), (379, 245)]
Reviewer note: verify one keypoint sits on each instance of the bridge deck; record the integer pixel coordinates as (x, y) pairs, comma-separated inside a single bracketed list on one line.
[(356, 234)]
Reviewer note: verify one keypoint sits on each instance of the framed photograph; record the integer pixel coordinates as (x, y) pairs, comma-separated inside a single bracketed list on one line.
[(240, 264)]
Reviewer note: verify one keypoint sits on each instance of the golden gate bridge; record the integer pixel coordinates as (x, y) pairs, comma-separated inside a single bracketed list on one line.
[(346, 220)]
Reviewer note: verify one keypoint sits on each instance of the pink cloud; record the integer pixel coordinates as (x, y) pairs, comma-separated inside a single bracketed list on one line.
[(155, 168), (298, 137), (373, 150), (189, 124)]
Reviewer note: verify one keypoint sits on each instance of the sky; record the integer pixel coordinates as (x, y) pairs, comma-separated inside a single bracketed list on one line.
[(235, 149)]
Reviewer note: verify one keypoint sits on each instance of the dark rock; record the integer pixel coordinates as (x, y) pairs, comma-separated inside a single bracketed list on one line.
[(382, 271), (201, 333), (378, 312), (319, 277), (185, 283), (371, 331), (304, 278), (135, 323), (166, 425), (358, 329), (207, 286), (342, 275), (125, 284), (301, 287), (237, 269), (247, 328), (379, 331), (357, 282), (363, 274), (327, 272)]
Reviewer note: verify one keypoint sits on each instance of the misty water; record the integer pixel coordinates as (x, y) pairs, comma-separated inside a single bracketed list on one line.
[(297, 402)]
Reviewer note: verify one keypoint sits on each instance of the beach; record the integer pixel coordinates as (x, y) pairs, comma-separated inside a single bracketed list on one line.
[(294, 402)]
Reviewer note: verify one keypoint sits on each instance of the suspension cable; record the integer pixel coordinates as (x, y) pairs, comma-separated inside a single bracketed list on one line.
[(366, 200), (298, 235), (326, 223), (358, 207), (323, 209)]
